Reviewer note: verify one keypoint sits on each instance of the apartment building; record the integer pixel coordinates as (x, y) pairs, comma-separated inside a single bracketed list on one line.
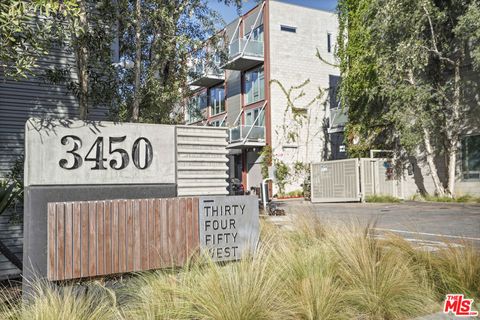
[(270, 89)]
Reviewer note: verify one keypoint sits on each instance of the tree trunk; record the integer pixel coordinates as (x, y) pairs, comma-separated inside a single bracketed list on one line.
[(81, 52), (439, 189), (10, 256), (453, 134), (134, 111)]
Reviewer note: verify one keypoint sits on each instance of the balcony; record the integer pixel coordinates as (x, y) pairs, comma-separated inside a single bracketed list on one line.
[(205, 74), (244, 54), (246, 136)]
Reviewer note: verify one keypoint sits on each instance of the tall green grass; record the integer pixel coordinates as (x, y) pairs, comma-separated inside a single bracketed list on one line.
[(46, 301), (310, 272), (381, 198)]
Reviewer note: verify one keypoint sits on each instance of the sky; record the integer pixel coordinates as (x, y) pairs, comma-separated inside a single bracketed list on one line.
[(230, 13)]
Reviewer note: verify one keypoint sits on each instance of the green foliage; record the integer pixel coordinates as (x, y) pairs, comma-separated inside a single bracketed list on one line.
[(404, 75), (25, 32), (459, 199), (16, 177), (267, 160), (379, 198), (282, 173), (7, 194), (51, 301), (311, 272)]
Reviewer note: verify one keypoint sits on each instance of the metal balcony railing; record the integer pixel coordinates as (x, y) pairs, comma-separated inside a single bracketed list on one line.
[(205, 73), (246, 133), (253, 48)]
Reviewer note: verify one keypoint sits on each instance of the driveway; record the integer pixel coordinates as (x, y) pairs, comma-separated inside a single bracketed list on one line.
[(422, 221)]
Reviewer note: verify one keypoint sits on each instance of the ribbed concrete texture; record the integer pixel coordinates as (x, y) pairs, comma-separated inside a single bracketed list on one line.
[(201, 161)]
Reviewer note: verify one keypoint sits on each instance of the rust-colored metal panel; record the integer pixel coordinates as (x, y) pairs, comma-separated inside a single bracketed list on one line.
[(95, 238)]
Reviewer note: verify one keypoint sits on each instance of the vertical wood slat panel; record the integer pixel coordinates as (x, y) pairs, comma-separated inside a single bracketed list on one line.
[(51, 242), (108, 237), (100, 238), (68, 240), (60, 261), (77, 245), (151, 234), (94, 238), (115, 235), (84, 239)]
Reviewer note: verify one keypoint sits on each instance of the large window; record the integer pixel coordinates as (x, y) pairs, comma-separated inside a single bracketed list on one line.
[(196, 107), (217, 100), (471, 157), (254, 85), (251, 115)]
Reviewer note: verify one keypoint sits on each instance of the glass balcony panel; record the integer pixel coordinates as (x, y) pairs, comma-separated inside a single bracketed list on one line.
[(249, 47), (248, 133)]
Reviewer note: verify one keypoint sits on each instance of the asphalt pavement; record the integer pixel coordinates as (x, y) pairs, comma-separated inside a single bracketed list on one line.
[(416, 221)]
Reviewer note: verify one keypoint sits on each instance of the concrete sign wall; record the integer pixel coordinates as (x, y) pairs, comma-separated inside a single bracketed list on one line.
[(229, 226), (68, 160), (79, 153)]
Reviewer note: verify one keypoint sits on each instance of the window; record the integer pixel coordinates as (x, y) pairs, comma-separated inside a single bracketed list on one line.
[(471, 157), (195, 108), (257, 34), (288, 29), (254, 85), (251, 115), (329, 42), (217, 100), (217, 123)]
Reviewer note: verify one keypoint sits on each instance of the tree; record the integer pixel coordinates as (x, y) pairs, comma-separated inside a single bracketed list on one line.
[(160, 36), (25, 30), (407, 66)]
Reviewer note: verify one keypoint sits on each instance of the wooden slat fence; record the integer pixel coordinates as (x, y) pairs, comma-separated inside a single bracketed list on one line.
[(94, 238)]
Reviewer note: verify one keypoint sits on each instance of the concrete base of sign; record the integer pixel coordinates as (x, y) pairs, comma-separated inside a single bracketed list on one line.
[(35, 216)]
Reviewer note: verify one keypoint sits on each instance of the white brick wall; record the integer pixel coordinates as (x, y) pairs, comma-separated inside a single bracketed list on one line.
[(293, 60)]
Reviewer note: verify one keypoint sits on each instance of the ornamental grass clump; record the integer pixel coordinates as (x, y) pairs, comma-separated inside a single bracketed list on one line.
[(247, 289), (380, 283), (310, 280), (48, 301), (456, 269), (153, 295)]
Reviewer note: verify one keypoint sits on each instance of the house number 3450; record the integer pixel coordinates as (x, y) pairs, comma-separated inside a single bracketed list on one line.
[(96, 153)]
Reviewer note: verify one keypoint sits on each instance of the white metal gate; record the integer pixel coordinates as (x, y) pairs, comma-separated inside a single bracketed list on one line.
[(335, 181), (375, 178), (353, 180)]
